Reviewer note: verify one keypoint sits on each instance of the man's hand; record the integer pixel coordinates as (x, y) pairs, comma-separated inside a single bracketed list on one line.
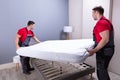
[(91, 52)]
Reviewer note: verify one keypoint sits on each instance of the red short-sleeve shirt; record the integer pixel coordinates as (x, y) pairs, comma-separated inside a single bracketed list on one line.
[(23, 32), (101, 26)]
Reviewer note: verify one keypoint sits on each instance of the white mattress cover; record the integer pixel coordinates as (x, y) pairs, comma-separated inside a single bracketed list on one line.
[(59, 50)]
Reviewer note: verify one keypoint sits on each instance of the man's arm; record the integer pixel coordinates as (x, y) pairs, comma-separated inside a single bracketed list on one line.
[(36, 39), (105, 39), (17, 41)]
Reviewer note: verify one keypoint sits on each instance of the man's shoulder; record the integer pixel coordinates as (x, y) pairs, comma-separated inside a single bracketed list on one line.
[(22, 29), (103, 22)]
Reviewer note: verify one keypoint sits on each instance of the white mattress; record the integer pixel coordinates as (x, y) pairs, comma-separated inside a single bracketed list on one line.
[(59, 50)]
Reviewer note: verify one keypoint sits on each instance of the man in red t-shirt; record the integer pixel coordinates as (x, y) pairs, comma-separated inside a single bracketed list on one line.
[(22, 39), (103, 34)]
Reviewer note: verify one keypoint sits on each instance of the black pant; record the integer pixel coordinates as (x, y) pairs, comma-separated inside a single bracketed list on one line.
[(25, 63), (103, 58)]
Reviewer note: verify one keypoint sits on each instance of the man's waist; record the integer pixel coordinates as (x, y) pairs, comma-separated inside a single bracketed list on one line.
[(106, 46)]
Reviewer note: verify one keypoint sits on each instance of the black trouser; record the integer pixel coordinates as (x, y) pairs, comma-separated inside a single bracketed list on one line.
[(25, 63), (103, 58)]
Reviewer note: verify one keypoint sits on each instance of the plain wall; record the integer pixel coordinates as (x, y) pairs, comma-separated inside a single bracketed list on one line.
[(50, 17), (75, 18)]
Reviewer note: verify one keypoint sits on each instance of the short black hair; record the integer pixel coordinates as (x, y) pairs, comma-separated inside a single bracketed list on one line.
[(99, 9), (30, 23)]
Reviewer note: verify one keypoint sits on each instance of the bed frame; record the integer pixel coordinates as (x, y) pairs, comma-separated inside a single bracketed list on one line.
[(49, 70)]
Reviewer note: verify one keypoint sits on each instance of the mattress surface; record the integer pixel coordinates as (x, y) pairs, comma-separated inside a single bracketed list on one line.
[(59, 50)]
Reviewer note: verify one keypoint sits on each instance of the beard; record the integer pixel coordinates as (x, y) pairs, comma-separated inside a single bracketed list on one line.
[(95, 19)]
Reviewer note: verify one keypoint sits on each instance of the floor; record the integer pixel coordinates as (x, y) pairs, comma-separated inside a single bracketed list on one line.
[(10, 73)]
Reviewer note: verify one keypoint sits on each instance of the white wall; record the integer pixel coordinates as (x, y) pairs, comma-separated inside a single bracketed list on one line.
[(75, 18)]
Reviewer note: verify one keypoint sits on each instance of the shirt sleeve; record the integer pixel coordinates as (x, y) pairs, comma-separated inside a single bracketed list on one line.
[(33, 34), (19, 32), (103, 25)]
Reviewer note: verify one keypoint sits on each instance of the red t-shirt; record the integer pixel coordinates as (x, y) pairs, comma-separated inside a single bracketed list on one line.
[(23, 32), (102, 25)]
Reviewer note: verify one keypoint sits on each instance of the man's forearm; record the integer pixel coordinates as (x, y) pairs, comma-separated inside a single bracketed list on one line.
[(17, 46), (36, 39), (16, 42)]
